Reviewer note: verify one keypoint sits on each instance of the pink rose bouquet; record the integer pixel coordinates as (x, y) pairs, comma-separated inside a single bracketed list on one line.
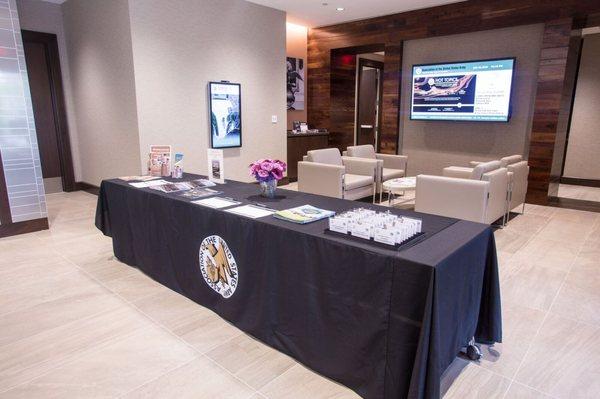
[(265, 170)]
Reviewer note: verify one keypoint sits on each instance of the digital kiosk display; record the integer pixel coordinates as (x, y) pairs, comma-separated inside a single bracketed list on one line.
[(225, 114), (463, 91)]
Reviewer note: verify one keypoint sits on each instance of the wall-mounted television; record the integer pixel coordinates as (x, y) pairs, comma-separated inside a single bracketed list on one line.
[(225, 107), (463, 91)]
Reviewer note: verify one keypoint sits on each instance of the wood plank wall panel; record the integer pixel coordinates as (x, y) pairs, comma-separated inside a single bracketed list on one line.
[(546, 113), (392, 76), (343, 87), (469, 16)]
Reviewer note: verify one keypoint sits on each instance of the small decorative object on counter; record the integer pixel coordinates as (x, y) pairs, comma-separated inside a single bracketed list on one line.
[(268, 172), (177, 172), (159, 160)]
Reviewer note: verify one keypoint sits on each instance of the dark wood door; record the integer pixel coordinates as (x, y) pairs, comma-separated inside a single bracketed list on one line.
[(369, 92), (43, 69), (43, 110)]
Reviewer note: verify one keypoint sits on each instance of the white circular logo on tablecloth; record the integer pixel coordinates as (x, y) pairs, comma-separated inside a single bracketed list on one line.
[(218, 266)]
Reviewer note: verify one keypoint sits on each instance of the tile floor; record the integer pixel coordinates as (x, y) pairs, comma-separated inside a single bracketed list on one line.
[(579, 192), (77, 323)]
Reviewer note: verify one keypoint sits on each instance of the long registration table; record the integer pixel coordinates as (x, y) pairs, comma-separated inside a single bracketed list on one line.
[(385, 322)]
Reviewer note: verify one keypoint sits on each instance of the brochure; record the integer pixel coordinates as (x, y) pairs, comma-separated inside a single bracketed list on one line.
[(171, 187), (217, 202), (197, 193), (139, 178), (251, 211), (200, 183), (151, 183), (303, 214), (216, 169)]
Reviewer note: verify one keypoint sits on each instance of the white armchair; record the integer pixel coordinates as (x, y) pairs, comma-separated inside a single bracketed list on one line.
[(326, 172), (389, 166), (480, 197), (518, 174)]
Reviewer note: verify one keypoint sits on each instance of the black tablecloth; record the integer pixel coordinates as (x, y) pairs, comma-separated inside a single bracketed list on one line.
[(382, 321)]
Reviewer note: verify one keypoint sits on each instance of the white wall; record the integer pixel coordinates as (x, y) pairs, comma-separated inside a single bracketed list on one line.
[(43, 16), (181, 45), (433, 145), (98, 39), (583, 151)]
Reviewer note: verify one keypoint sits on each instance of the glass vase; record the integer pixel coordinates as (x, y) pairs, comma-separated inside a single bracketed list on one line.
[(267, 188)]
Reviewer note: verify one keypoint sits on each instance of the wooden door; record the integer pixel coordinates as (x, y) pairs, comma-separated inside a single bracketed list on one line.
[(369, 96), (45, 82)]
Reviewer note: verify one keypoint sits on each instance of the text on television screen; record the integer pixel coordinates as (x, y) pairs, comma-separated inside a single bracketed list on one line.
[(462, 91)]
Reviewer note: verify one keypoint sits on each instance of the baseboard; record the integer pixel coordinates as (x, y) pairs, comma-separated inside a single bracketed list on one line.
[(580, 182), (87, 187), (570, 203), (28, 226)]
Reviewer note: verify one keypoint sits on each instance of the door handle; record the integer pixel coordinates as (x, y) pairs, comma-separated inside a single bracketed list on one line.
[(366, 126)]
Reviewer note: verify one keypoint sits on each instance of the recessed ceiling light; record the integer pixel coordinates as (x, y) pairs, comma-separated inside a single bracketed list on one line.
[(340, 9)]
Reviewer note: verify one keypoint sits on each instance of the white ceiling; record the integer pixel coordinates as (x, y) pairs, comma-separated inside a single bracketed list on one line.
[(312, 13)]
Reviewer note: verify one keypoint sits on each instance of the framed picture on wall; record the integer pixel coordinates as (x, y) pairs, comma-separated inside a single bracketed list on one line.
[(225, 107), (295, 83)]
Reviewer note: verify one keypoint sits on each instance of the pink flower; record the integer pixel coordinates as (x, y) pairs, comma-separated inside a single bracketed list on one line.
[(268, 166), (263, 173), (277, 174)]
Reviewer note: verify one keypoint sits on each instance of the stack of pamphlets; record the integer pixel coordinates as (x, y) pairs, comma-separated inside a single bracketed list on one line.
[(200, 192), (149, 183), (173, 187), (383, 227), (303, 214)]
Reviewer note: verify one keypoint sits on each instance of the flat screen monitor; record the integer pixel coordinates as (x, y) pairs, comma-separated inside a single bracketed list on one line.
[(225, 114), (463, 91)]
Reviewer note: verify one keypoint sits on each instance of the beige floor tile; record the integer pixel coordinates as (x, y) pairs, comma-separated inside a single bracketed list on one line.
[(531, 209), (28, 358), (116, 368), (563, 360), (198, 379), (533, 286), (527, 223), (25, 272), (571, 215), (300, 383), (207, 332), (519, 327), (74, 305), (566, 229), (577, 303), (30, 249), (42, 290), (585, 273), (507, 270), (135, 286), (464, 380), (250, 360), (559, 255), (172, 310), (509, 240), (520, 391), (107, 270)]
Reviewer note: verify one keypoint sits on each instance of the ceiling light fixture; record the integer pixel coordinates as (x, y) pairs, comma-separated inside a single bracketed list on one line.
[(340, 9)]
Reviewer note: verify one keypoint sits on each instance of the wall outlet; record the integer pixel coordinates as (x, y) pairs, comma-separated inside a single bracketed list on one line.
[(273, 118)]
